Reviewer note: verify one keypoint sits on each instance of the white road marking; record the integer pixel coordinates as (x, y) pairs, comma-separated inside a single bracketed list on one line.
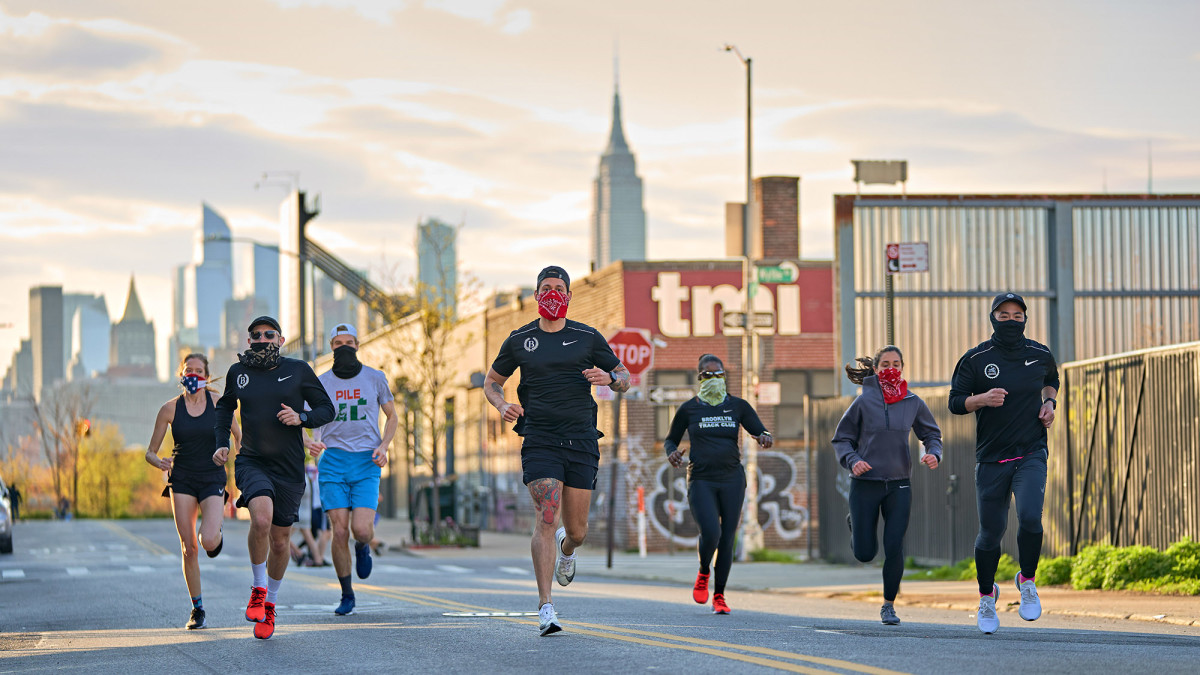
[(141, 569), (453, 568), (515, 570), (13, 574), (77, 571)]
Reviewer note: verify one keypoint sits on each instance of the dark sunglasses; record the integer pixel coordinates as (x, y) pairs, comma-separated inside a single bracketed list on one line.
[(710, 375), (268, 334)]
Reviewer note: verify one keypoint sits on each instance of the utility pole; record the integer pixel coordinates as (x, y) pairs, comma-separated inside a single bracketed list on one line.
[(752, 536)]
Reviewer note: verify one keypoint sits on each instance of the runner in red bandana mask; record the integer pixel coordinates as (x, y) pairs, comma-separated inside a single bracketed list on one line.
[(872, 444), (552, 305)]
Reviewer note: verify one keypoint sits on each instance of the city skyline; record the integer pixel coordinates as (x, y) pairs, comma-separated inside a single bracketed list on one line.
[(118, 118)]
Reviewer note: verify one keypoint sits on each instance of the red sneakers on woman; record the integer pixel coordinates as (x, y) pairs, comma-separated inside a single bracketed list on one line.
[(719, 606), (700, 589)]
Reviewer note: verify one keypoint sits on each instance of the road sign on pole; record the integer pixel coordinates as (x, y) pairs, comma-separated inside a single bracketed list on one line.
[(907, 257), (786, 272), (633, 347), (670, 394)]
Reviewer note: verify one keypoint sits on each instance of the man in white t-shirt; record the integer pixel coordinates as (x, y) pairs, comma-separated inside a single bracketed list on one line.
[(351, 452)]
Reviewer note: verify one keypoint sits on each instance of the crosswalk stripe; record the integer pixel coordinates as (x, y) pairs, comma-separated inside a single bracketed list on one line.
[(13, 574), (141, 569), (77, 571), (453, 568), (515, 570)]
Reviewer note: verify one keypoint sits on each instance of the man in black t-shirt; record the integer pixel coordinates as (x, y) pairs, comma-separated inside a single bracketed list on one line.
[(271, 391), (1009, 382), (560, 362)]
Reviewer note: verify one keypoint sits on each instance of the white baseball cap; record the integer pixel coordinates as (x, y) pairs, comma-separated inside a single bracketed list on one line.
[(343, 329)]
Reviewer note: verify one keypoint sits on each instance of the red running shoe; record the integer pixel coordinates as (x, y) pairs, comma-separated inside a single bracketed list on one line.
[(719, 606), (254, 610), (700, 590), (266, 628)]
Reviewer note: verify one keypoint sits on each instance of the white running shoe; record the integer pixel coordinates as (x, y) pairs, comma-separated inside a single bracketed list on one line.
[(548, 620), (1031, 604), (986, 618), (564, 568)]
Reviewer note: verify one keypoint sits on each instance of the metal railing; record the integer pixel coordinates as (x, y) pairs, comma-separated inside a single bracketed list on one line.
[(1124, 463)]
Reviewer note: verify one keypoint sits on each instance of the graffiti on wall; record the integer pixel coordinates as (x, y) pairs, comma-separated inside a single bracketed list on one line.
[(780, 507)]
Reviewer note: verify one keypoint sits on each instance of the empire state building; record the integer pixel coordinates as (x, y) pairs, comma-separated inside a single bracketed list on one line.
[(618, 219)]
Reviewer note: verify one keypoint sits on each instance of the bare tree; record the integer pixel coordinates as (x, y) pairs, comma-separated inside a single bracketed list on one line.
[(426, 339), (62, 418)]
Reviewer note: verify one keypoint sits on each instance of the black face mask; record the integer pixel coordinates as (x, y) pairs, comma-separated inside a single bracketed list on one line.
[(1008, 334), (345, 362), (260, 355)]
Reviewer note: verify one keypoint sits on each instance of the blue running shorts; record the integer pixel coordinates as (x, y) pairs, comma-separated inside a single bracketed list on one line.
[(348, 480)]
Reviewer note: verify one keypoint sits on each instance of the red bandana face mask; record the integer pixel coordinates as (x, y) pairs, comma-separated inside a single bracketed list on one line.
[(894, 387), (552, 305)]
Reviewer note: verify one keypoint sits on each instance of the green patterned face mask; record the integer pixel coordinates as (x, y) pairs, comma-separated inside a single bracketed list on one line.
[(712, 391)]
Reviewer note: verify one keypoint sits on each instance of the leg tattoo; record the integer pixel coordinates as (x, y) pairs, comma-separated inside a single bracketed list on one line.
[(547, 497)]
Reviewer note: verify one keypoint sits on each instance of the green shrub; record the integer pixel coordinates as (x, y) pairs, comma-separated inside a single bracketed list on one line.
[(1134, 563), (1055, 571), (1185, 555), (1170, 585), (1090, 566), (769, 555)]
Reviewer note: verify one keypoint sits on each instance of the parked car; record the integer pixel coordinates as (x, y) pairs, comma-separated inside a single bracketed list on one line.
[(6, 523)]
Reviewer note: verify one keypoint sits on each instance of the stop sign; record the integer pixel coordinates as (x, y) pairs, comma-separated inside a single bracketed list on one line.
[(633, 347)]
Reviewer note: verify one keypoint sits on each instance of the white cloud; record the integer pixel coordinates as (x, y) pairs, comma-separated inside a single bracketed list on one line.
[(518, 21), (379, 11)]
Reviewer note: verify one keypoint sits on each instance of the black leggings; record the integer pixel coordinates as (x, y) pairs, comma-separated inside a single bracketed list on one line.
[(868, 499), (995, 482), (717, 507)]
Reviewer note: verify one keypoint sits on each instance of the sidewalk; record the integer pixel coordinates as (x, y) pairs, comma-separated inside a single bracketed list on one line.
[(816, 579)]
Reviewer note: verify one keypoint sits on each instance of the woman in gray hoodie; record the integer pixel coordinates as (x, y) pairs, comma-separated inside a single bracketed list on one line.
[(872, 443)]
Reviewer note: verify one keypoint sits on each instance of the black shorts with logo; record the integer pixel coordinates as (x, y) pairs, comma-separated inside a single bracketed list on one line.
[(573, 461), (200, 486), (254, 481)]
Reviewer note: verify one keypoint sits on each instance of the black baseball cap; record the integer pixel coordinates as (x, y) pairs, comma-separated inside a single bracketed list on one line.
[(1008, 297), (554, 272), (264, 319)]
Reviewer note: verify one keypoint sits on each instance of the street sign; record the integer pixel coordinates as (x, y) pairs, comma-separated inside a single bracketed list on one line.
[(906, 257), (770, 393), (633, 347), (670, 394), (738, 320), (786, 272)]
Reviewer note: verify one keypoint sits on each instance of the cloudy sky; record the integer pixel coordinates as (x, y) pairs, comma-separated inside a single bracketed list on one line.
[(119, 117)]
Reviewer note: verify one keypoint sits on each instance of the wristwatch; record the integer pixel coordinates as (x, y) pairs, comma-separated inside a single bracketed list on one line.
[(303, 417), (1051, 402)]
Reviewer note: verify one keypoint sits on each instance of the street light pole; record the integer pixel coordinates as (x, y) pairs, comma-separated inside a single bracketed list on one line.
[(752, 536)]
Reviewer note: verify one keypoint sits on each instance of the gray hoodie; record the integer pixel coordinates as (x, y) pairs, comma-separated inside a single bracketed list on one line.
[(873, 431)]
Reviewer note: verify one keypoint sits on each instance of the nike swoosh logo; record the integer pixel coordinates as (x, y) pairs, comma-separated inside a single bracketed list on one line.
[(570, 343), (726, 411), (904, 486), (284, 378), (1030, 363)]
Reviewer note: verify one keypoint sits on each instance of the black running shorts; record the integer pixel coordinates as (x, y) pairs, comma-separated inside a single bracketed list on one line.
[(254, 481), (573, 461), (200, 487)]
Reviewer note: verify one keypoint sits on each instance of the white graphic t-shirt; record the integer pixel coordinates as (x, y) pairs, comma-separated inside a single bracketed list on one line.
[(357, 401)]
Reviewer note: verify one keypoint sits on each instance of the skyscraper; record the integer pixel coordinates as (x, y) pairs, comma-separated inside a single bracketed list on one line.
[(46, 336), (132, 346), (618, 219), (437, 263), (203, 285), (88, 332), (266, 277)]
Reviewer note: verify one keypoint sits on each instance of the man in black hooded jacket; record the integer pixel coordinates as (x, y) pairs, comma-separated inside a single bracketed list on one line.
[(1009, 382)]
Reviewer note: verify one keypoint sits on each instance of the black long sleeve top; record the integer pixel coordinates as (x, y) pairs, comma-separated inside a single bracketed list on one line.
[(261, 394), (713, 433), (1012, 429)]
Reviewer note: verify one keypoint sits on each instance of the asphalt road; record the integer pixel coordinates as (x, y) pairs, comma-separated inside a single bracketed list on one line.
[(108, 597)]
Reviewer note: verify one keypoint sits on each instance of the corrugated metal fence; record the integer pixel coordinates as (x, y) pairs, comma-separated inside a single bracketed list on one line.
[(1125, 463)]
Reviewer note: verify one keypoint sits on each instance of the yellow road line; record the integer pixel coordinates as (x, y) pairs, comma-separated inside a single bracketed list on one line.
[(135, 538), (699, 645)]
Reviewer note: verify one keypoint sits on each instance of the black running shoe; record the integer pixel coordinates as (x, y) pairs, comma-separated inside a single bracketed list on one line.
[(216, 551), (197, 620)]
